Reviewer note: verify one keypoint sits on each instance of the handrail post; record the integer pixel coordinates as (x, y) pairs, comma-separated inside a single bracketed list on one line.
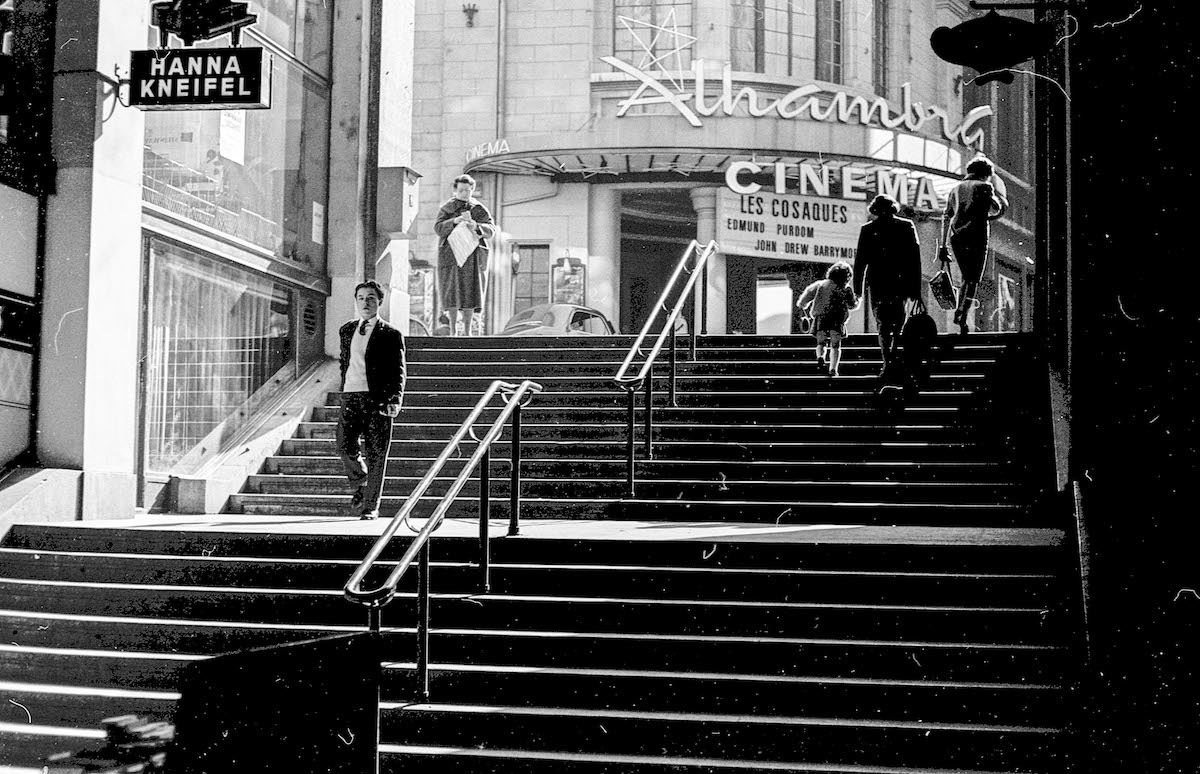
[(514, 491), (485, 557), (375, 618), (630, 442), (649, 411), (423, 622), (704, 301), (673, 367)]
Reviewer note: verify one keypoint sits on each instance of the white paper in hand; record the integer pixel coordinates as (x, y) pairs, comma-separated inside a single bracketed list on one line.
[(463, 242)]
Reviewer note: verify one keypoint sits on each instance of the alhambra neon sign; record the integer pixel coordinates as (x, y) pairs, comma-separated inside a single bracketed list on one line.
[(796, 103)]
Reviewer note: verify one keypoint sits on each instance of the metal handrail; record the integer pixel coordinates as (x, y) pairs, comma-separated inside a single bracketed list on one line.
[(645, 375), (516, 396)]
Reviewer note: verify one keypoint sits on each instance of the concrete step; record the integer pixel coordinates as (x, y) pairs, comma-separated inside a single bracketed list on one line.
[(582, 579), (758, 512), (931, 415), (670, 431), (903, 552), (908, 472), (852, 364), (103, 653), (615, 449), (1035, 704), (705, 734), (665, 489), (817, 395), (954, 623)]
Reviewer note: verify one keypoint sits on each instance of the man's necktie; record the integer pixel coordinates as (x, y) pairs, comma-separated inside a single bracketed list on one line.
[(362, 329)]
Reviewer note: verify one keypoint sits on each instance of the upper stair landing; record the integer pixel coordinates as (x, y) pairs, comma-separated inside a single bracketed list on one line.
[(759, 434)]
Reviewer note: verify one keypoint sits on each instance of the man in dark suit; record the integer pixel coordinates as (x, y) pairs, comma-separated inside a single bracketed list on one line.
[(889, 260), (373, 372)]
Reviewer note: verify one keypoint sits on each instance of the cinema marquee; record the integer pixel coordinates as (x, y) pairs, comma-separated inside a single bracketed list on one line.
[(200, 79)]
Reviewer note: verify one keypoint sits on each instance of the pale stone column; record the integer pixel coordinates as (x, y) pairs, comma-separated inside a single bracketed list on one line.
[(705, 202), (345, 261), (712, 20), (395, 148), (92, 306), (604, 252)]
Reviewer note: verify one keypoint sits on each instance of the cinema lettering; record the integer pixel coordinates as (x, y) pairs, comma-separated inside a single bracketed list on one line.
[(808, 101), (847, 182), (200, 79)]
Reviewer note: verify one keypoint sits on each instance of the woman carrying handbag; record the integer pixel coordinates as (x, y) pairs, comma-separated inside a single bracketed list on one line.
[(970, 207)]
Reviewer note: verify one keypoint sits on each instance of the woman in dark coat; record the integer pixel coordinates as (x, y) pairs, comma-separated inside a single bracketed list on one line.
[(971, 205), (463, 287)]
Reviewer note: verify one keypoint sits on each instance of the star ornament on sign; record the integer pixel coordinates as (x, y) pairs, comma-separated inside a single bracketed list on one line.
[(648, 35)]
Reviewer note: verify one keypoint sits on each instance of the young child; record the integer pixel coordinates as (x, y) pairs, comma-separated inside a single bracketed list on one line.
[(831, 300)]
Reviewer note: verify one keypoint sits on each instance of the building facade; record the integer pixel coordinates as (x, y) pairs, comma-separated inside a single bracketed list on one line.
[(607, 135), (170, 274)]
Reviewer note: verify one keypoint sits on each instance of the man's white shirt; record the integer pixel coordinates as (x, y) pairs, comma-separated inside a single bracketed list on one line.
[(356, 373)]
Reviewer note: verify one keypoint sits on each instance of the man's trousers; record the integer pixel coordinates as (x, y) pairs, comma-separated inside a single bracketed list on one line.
[(360, 418)]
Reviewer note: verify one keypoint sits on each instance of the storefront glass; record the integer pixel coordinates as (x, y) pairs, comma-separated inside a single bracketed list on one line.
[(259, 175), (220, 342), (299, 26)]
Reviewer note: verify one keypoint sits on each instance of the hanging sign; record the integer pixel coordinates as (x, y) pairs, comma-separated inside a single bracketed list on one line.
[(200, 79)]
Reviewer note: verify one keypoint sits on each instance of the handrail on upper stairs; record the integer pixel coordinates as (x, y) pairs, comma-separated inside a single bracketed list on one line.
[(645, 374), (516, 396)]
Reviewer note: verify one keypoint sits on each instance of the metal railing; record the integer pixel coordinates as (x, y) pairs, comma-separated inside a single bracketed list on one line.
[(516, 397), (644, 378)]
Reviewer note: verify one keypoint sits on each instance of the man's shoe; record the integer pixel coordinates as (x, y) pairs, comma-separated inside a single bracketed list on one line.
[(356, 499), (369, 515)]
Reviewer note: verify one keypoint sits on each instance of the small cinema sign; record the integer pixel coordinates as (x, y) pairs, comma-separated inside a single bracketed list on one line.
[(200, 79)]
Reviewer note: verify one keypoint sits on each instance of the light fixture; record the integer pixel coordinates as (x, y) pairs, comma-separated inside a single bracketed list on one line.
[(992, 44), (470, 9)]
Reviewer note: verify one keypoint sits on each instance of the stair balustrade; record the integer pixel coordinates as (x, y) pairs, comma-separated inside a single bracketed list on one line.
[(644, 378), (516, 396)]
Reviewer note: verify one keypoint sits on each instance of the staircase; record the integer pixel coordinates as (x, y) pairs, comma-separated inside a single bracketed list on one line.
[(732, 643), (760, 435)]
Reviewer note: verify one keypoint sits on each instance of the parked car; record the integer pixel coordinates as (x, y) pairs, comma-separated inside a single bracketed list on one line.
[(558, 320)]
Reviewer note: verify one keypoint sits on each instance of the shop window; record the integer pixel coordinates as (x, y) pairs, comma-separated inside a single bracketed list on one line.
[(532, 281), (829, 40), (26, 64), (302, 27), (220, 343), (259, 175), (568, 280), (637, 41), (420, 299), (1013, 139), (882, 52)]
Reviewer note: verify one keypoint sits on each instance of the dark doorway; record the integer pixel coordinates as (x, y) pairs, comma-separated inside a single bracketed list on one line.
[(656, 227)]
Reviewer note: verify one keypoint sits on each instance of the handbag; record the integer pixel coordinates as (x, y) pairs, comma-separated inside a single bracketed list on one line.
[(919, 332), (940, 284)]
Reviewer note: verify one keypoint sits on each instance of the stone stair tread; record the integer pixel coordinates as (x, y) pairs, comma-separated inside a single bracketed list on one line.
[(502, 565), (341, 498), (737, 677), (712, 717), (657, 763), (538, 598), (527, 479)]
